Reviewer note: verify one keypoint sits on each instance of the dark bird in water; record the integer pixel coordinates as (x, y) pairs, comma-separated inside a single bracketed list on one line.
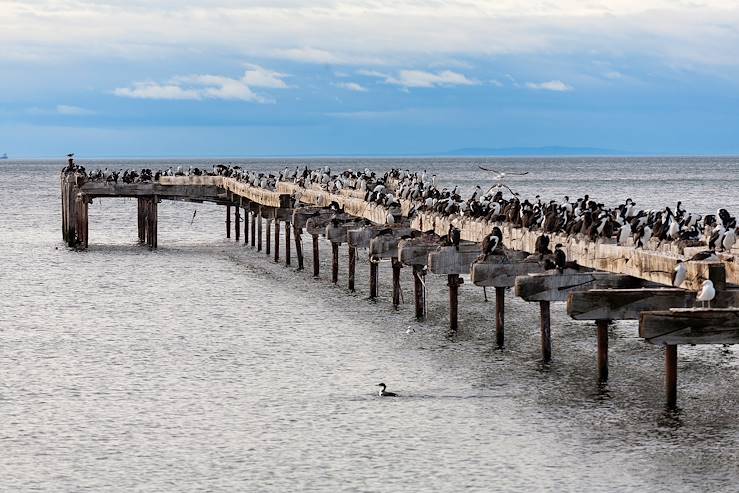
[(385, 393), (455, 235), (560, 258), (193, 216)]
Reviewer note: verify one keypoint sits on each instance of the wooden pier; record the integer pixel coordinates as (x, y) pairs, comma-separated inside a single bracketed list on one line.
[(605, 282)]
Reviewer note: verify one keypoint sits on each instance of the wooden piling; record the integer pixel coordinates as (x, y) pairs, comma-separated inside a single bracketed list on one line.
[(299, 245), (352, 267), (268, 239), (500, 316), (253, 227), (141, 218), (246, 225), (259, 229), (288, 229), (453, 283), (277, 238), (237, 222), (546, 333), (334, 262), (396, 281), (373, 278), (671, 375), (602, 328), (228, 221), (316, 258), (419, 292)]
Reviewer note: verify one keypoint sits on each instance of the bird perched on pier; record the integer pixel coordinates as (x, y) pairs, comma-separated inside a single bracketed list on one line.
[(706, 294), (560, 258), (679, 274), (542, 245), (492, 244), (455, 236), (385, 393)]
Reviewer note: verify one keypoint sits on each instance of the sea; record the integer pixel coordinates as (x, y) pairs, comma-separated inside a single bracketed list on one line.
[(206, 366)]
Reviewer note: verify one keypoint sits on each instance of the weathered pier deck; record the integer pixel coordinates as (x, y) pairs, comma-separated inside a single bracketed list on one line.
[(609, 281)]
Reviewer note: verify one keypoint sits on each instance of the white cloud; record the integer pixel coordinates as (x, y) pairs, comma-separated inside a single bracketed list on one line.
[(351, 86), (552, 85), (198, 87), (420, 78), (68, 110)]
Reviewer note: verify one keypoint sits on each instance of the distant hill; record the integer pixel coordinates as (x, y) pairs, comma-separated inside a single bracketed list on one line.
[(533, 151)]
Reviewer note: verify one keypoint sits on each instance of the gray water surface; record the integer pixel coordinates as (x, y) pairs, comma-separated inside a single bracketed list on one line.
[(204, 366)]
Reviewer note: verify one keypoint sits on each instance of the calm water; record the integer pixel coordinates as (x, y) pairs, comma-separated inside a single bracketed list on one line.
[(204, 366)]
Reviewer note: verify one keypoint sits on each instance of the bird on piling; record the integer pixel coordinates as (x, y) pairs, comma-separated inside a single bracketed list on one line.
[(560, 257), (679, 274), (706, 294), (385, 393), (455, 236)]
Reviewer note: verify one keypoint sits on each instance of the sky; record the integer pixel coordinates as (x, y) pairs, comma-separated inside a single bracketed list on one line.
[(367, 77)]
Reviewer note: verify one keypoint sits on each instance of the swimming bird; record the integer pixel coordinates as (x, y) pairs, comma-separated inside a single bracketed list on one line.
[(385, 393), (679, 274), (706, 294)]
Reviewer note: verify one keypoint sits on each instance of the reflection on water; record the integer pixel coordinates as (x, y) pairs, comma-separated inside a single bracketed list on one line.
[(205, 366)]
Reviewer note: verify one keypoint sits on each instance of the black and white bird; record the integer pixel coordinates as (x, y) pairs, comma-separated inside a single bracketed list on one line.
[(385, 393)]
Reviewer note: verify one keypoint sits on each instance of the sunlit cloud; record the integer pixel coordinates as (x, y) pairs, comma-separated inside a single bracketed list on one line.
[(552, 85), (351, 86), (421, 78)]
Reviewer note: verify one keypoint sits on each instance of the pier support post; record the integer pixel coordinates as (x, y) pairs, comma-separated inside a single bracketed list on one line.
[(546, 333), (258, 218), (671, 375), (316, 258), (237, 222), (277, 238), (352, 267), (396, 281), (335, 262), (288, 229), (500, 316), (419, 292), (246, 225), (228, 221), (142, 219), (453, 283), (268, 240), (602, 328), (373, 278), (299, 245)]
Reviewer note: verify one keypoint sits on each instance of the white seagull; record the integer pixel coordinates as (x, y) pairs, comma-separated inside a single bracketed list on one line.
[(706, 294)]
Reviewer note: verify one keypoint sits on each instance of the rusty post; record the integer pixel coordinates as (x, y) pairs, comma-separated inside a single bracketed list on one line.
[(419, 291), (352, 267), (546, 333), (228, 221), (671, 375), (268, 238), (602, 328), (396, 281), (316, 258), (299, 246), (500, 316), (334, 262), (246, 226), (259, 229), (254, 217), (277, 238), (237, 222), (453, 283), (373, 278), (288, 229)]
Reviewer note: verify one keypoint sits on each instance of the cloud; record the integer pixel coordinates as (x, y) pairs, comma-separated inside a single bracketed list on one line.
[(199, 87), (68, 110), (420, 78), (552, 85), (351, 86)]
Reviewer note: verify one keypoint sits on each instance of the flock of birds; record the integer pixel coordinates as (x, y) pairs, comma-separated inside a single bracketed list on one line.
[(626, 224)]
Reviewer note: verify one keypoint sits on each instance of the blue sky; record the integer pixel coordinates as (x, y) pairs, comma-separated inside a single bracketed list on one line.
[(290, 77)]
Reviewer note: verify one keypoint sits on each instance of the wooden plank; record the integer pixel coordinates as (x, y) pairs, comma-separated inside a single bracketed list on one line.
[(627, 304), (415, 251), (502, 274), (556, 287), (450, 260), (690, 326)]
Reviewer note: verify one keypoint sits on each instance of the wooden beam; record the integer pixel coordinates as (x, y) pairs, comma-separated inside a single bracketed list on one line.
[(503, 273), (553, 286), (690, 326), (415, 251), (452, 260), (627, 304)]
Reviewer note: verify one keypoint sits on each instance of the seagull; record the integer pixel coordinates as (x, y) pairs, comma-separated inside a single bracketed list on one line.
[(502, 175), (679, 274), (706, 294)]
